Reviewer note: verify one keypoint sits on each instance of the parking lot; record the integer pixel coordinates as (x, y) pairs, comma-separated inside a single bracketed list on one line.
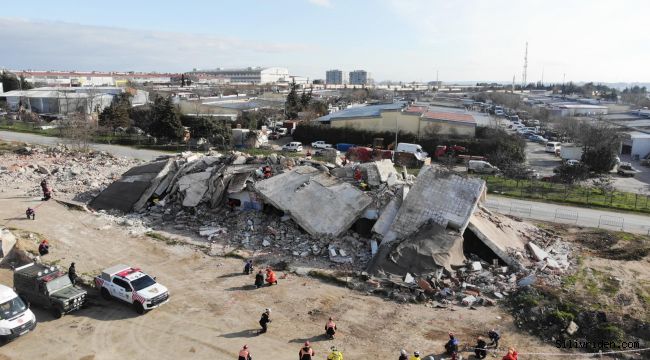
[(540, 160)]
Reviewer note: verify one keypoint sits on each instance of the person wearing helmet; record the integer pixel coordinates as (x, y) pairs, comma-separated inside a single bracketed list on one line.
[(403, 355), (480, 350), (511, 355), (248, 268), (452, 345), (266, 318), (335, 354), (416, 356), (306, 352), (330, 328), (494, 338), (244, 354)]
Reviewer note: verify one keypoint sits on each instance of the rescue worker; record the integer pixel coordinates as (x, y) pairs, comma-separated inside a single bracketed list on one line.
[(43, 247), (265, 320), (494, 338), (270, 277), (403, 355), (511, 355), (72, 274), (248, 268), (259, 279), (31, 214), (357, 174), (308, 155), (330, 328), (47, 193), (480, 350), (335, 354), (244, 354), (306, 352), (452, 345), (416, 356)]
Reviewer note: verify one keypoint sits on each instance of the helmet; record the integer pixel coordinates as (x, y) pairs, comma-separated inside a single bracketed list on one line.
[(306, 343), (417, 353), (245, 346), (268, 310), (331, 318), (403, 352), (333, 348)]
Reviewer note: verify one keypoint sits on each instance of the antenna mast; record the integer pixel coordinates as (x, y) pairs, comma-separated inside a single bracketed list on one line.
[(523, 76)]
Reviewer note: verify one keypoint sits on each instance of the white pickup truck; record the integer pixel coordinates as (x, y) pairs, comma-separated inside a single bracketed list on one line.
[(320, 145), (132, 286)]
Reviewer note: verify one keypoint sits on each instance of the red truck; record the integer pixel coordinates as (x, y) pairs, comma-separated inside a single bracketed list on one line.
[(366, 154)]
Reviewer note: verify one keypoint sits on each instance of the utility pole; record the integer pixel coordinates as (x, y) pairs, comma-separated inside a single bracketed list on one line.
[(513, 84)]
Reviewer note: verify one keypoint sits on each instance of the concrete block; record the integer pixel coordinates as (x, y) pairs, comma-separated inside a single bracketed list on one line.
[(476, 266)]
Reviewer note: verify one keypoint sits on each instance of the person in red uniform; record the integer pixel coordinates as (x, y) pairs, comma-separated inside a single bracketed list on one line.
[(244, 354), (306, 352), (330, 328), (270, 277), (511, 355)]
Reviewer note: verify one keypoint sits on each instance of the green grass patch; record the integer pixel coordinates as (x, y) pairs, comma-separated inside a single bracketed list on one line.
[(565, 194)]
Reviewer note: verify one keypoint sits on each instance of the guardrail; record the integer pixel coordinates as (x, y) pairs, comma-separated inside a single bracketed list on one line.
[(569, 216)]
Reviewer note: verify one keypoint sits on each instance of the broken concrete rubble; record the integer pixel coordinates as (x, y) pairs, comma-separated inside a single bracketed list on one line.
[(7, 243), (319, 202)]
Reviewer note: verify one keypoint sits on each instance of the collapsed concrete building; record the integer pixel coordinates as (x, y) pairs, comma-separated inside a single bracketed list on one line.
[(411, 224)]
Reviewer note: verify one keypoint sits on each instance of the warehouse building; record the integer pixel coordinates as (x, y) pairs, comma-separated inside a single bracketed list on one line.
[(419, 120)]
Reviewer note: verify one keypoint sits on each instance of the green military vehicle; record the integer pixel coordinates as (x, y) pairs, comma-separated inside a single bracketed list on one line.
[(48, 287)]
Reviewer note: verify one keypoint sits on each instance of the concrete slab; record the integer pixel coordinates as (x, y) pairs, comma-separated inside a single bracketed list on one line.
[(499, 233), (7, 243), (194, 186), (441, 196), (133, 189), (320, 203)]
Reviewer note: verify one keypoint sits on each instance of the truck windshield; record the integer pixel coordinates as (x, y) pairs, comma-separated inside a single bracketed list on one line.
[(142, 283), (11, 308), (58, 284)]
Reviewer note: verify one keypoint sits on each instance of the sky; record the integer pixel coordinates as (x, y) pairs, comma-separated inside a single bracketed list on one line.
[(398, 40)]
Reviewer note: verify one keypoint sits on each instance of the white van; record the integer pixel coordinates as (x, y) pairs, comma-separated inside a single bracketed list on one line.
[(481, 167), (15, 317), (414, 149), (552, 147)]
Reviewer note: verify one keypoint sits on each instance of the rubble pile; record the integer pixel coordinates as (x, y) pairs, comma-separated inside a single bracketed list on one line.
[(73, 175)]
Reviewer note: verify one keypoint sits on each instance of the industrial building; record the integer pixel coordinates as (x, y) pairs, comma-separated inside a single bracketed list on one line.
[(65, 100), (419, 120), (574, 109), (358, 77), (637, 145), (334, 77), (250, 75), (91, 78)]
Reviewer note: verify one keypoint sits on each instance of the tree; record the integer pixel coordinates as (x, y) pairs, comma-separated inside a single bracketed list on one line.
[(571, 174), (319, 107), (292, 105), (165, 121), (214, 130), (142, 117), (11, 82), (78, 130), (117, 113), (305, 98), (604, 184), (600, 144)]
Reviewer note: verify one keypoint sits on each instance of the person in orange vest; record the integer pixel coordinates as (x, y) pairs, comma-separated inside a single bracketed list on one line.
[(511, 355), (44, 247), (270, 277), (330, 328), (306, 352), (244, 354)]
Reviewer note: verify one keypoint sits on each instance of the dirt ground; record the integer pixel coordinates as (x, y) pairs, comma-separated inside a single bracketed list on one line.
[(213, 311)]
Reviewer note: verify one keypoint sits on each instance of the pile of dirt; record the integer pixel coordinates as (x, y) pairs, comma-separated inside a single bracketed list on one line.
[(615, 246)]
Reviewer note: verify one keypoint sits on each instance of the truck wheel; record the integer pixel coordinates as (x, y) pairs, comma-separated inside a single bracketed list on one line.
[(57, 312), (137, 306), (105, 294)]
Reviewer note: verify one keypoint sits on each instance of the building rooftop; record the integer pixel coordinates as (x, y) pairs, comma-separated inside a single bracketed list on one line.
[(449, 116), (362, 111), (639, 135)]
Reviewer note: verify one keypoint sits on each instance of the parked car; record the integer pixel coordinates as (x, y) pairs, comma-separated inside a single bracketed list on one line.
[(481, 167), (320, 145), (626, 169), (539, 139), (552, 147), (292, 146), (282, 132), (552, 179), (273, 136)]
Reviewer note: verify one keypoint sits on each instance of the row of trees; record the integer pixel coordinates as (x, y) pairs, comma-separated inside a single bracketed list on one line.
[(162, 120), (11, 82)]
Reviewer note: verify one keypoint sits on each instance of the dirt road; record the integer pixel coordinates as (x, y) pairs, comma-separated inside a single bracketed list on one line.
[(213, 311)]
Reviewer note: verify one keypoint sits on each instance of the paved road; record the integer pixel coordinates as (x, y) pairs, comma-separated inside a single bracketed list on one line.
[(635, 223), (113, 149)]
